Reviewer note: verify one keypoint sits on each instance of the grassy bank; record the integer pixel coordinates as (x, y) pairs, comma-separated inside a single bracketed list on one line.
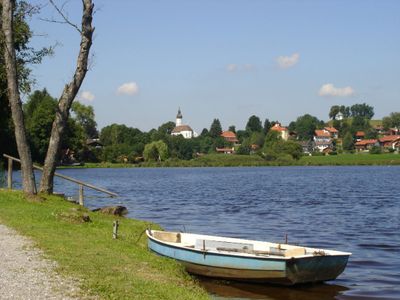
[(221, 160), (361, 159), (111, 269)]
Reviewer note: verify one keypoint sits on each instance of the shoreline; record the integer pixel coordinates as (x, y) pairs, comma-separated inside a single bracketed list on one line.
[(221, 160), (80, 242)]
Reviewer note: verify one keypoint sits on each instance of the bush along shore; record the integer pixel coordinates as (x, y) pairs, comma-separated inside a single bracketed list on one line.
[(81, 242)]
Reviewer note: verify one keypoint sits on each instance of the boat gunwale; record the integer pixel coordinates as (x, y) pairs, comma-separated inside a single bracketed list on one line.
[(239, 254)]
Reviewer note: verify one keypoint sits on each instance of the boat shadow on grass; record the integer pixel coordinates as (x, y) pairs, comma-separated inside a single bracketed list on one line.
[(221, 289)]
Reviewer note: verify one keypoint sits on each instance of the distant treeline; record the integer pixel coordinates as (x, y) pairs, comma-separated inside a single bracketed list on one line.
[(120, 143)]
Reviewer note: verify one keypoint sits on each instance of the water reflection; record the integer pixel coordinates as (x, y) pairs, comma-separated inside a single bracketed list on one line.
[(220, 289)]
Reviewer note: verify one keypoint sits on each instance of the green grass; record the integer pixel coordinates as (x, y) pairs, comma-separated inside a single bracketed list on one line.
[(112, 269), (351, 159)]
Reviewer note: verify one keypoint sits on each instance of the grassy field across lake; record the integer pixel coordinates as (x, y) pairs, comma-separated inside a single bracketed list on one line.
[(111, 269), (351, 159)]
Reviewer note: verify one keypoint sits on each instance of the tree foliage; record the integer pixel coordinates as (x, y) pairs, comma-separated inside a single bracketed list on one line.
[(267, 126), (254, 124), (84, 115), (362, 110), (215, 129), (25, 56), (306, 125), (348, 142), (391, 121), (156, 151)]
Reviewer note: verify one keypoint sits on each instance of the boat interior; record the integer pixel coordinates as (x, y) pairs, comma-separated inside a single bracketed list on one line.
[(238, 246)]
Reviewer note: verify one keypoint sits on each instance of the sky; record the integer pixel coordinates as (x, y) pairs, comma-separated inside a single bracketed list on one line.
[(226, 59)]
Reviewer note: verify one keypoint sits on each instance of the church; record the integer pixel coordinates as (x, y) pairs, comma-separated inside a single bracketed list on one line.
[(180, 129)]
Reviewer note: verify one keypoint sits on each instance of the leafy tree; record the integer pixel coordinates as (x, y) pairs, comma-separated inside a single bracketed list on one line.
[(254, 124), (215, 129), (267, 126), (371, 133), (185, 148), (345, 110), (375, 150), (348, 142), (279, 148), (166, 128), (244, 148), (292, 126), (359, 123), (391, 121), (362, 110), (157, 151), (84, 115), (206, 144), (271, 138), (39, 116), (242, 135), (113, 153), (334, 111), (232, 128), (306, 125), (14, 78), (257, 138), (204, 132)]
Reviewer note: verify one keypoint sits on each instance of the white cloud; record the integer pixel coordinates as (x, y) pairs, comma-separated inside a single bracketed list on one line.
[(330, 90), (232, 67), (285, 62), (236, 68), (86, 96), (129, 88)]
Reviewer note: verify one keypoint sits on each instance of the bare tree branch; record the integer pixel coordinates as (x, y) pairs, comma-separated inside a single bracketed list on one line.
[(67, 97), (61, 13)]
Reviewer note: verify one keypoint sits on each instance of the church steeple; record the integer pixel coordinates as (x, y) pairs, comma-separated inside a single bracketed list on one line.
[(179, 118)]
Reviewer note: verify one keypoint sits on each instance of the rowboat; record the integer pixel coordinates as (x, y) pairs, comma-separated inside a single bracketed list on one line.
[(247, 260)]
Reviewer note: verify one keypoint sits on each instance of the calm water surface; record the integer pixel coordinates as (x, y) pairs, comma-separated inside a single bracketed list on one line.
[(354, 209)]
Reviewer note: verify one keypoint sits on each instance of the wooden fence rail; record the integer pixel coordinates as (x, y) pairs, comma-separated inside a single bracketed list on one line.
[(80, 183)]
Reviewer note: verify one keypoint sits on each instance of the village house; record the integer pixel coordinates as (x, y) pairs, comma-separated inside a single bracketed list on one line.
[(389, 141), (334, 133), (339, 116), (360, 135), (230, 136), (393, 131), (180, 129), (225, 150), (308, 146), (379, 129), (322, 140), (283, 131), (366, 145)]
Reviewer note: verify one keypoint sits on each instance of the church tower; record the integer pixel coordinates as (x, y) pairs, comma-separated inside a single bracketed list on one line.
[(179, 118)]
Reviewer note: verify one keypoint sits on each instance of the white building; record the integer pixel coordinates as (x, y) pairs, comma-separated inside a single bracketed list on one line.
[(180, 129)]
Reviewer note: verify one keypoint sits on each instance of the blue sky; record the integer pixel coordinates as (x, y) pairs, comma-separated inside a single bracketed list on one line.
[(227, 59)]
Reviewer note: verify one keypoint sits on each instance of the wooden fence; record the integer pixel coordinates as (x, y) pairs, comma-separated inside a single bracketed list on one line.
[(80, 184)]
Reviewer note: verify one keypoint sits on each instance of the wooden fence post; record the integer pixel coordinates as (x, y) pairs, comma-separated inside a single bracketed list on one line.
[(115, 229), (9, 174), (81, 195)]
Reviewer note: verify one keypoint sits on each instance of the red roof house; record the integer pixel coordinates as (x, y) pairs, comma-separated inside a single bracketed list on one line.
[(284, 132), (389, 141), (366, 144), (229, 136)]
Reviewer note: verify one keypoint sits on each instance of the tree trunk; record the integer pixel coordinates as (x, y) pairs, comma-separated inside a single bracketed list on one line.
[(67, 97), (28, 179)]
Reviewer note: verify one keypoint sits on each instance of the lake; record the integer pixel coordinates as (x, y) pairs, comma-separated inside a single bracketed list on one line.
[(355, 209)]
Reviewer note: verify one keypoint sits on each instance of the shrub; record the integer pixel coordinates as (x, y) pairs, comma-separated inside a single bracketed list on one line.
[(375, 150)]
